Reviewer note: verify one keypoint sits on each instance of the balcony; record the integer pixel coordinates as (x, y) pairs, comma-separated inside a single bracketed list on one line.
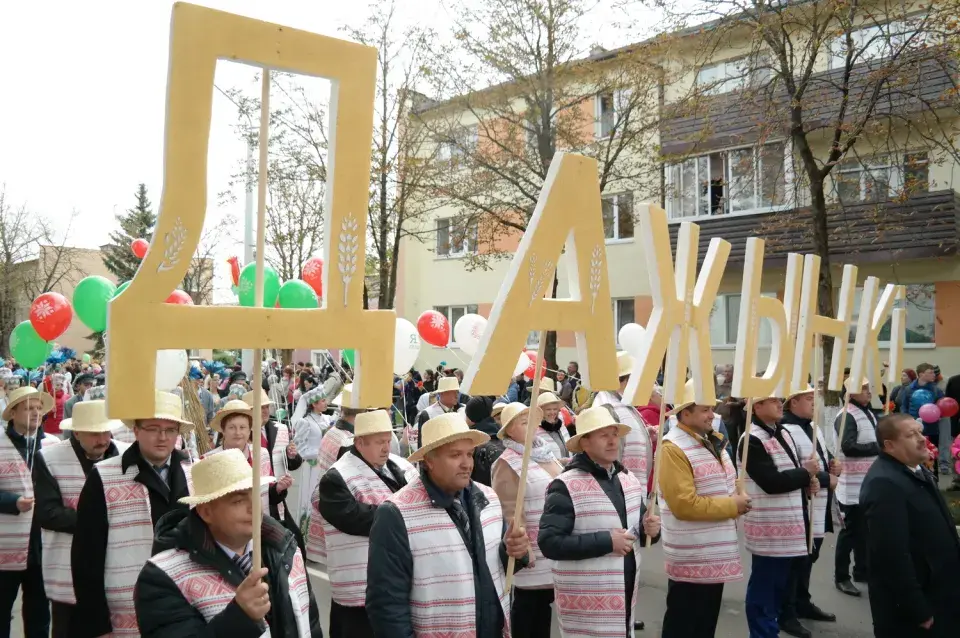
[(921, 227)]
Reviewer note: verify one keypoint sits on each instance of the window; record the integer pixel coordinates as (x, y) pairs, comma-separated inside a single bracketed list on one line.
[(606, 114), (623, 313), (882, 177), (463, 142), (725, 322), (879, 41), (456, 237), (617, 215), (731, 75), (921, 316), (734, 181), (453, 315)]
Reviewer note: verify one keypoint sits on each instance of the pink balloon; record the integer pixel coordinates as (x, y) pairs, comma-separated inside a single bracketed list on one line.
[(929, 413)]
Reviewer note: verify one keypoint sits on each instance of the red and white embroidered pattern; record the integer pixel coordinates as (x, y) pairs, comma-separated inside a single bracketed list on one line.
[(279, 458), (14, 528), (442, 599), (549, 440), (637, 448), (774, 527), (701, 551), (805, 447), (333, 440), (590, 594), (854, 470)]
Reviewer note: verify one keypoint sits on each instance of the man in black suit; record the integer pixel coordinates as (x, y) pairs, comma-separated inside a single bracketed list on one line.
[(912, 546)]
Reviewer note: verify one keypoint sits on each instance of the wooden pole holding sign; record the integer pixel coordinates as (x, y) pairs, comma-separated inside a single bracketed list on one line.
[(746, 446), (533, 422), (817, 397), (264, 137)]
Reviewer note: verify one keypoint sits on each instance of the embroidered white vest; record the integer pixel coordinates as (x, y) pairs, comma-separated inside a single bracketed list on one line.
[(853, 470), (637, 448), (442, 599), (279, 458), (805, 447), (129, 539), (774, 527), (209, 593), (549, 440), (15, 528), (333, 440), (61, 460), (540, 576), (347, 555), (124, 434), (413, 437), (590, 595), (701, 551)]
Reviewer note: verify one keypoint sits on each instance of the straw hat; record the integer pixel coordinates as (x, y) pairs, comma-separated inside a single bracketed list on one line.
[(20, 395), (229, 408), (344, 397), (546, 385), (443, 429), (373, 422), (688, 399), (166, 406), (220, 474), (497, 409), (591, 420), (624, 364), (796, 393), (90, 416), (547, 398), (264, 398), (846, 385), (447, 384), (510, 412)]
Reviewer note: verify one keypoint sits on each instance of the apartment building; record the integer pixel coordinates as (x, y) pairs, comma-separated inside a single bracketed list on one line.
[(727, 162)]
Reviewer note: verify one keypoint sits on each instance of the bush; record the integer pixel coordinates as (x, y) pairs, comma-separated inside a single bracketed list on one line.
[(226, 357)]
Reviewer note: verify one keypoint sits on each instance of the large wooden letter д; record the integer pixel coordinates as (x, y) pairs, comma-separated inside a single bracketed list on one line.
[(568, 209), (140, 323)]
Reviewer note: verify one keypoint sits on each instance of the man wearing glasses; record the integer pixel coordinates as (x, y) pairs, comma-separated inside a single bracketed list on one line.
[(119, 506)]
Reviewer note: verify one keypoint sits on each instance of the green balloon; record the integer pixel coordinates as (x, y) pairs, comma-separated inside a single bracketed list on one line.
[(271, 286), (281, 414), (350, 356), (297, 294), (27, 347), (120, 289), (90, 299), (86, 358)]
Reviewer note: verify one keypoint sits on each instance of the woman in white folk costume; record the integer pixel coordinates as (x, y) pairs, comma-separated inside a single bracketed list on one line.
[(798, 604), (593, 517), (202, 583), (119, 506), (20, 552), (310, 423), (58, 474), (349, 494), (857, 452), (551, 430), (636, 448), (700, 505), (439, 546), (778, 480), (531, 614)]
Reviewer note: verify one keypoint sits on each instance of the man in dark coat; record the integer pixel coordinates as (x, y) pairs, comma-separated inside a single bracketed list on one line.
[(81, 384), (479, 415), (912, 545)]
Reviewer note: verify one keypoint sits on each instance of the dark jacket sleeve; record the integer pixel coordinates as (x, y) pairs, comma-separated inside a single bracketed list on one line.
[(556, 538), (885, 512), (905, 398), (421, 419), (389, 575), (48, 510), (340, 507), (88, 556), (162, 611), (849, 443), (764, 472), (8, 502), (518, 564), (294, 464)]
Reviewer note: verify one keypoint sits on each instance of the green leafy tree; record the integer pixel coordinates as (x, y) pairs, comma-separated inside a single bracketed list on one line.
[(138, 222)]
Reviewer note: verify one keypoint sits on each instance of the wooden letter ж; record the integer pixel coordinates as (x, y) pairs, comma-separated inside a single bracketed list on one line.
[(140, 323), (677, 302), (568, 209)]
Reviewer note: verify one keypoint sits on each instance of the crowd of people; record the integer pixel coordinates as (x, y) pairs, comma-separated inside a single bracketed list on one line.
[(428, 524)]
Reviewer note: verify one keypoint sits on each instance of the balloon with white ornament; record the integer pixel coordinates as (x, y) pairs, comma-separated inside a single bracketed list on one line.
[(171, 366), (467, 332)]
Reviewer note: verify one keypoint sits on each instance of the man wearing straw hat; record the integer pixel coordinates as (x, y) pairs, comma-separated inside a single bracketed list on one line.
[(636, 449), (777, 480), (447, 397), (858, 451), (439, 546), (349, 495), (203, 584), (120, 504), (20, 549), (700, 504), (798, 420), (592, 518), (59, 474)]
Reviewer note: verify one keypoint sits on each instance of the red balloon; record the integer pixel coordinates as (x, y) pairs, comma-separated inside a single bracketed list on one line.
[(528, 373), (140, 247), (312, 274), (434, 328), (948, 407), (50, 315), (180, 298)]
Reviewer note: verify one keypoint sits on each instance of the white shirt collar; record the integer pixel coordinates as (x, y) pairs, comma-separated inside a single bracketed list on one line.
[(232, 554)]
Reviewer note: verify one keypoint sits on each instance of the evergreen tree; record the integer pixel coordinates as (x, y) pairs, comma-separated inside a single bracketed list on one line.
[(138, 222)]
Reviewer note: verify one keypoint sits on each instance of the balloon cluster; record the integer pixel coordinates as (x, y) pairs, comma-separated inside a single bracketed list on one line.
[(933, 412), (305, 292)]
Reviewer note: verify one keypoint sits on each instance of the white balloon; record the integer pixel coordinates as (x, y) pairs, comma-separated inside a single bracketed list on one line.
[(171, 366), (522, 364), (467, 332), (406, 346), (631, 337)]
